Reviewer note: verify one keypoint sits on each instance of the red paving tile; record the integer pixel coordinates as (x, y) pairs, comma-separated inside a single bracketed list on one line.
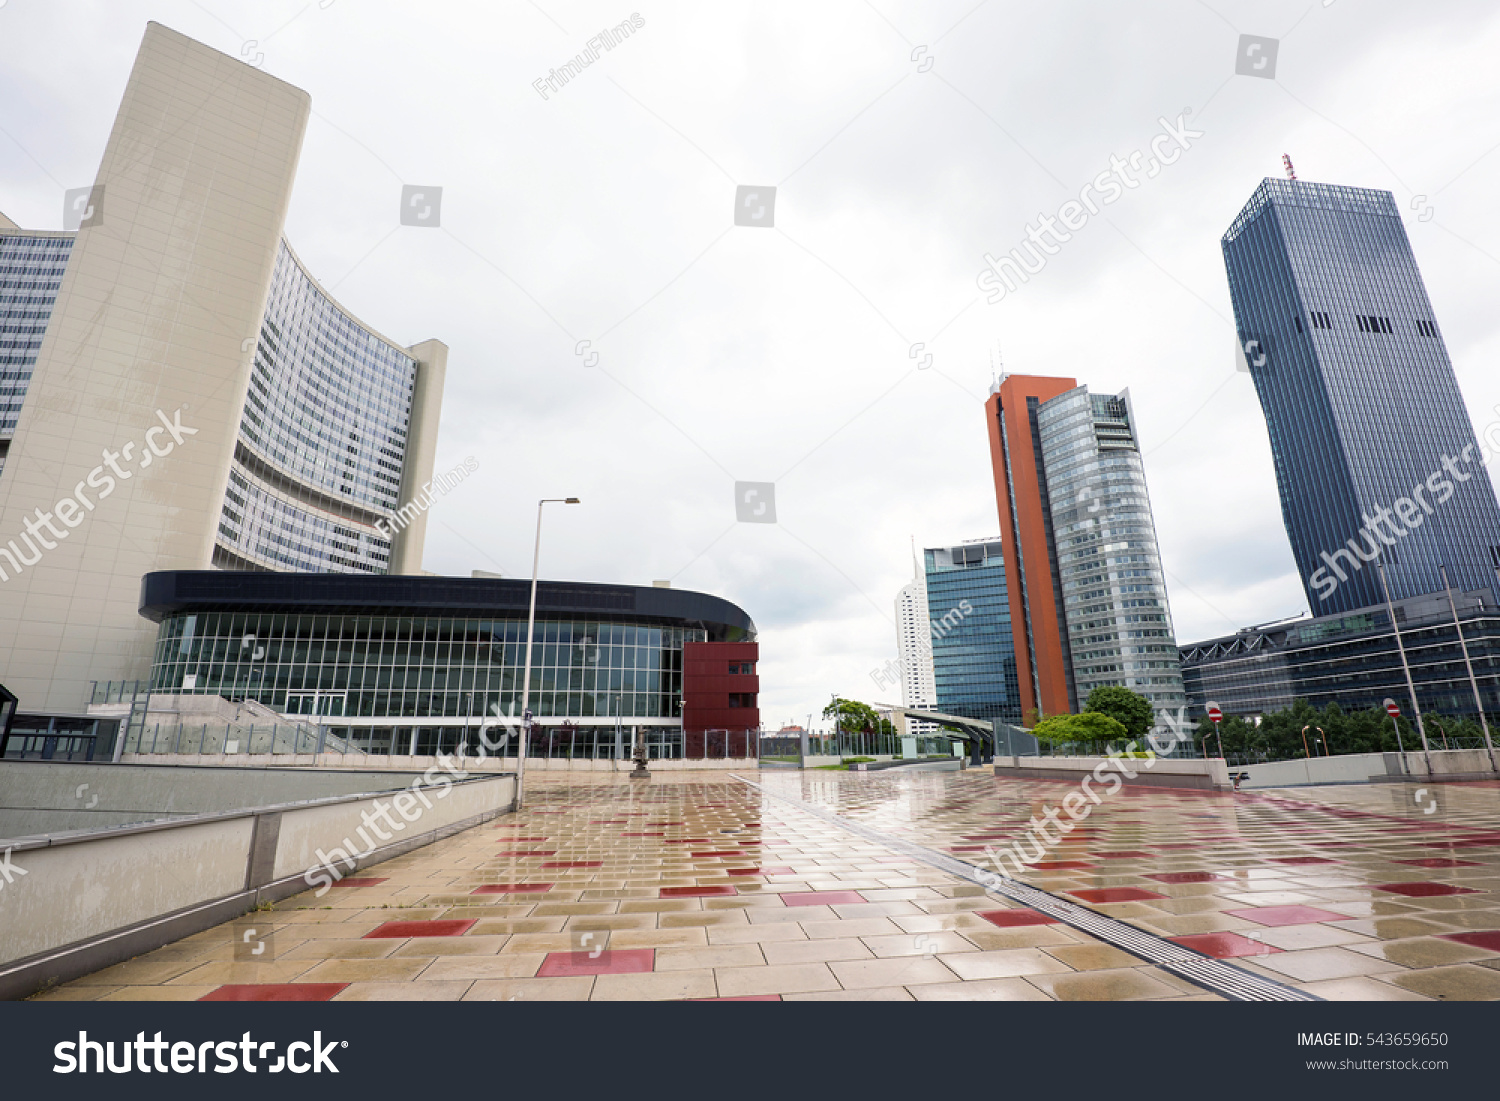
[(510, 888), (401, 929), (1439, 862), (1300, 860), (527, 852), (572, 864), (822, 898), (643, 835), (1114, 894), (1286, 915), (1223, 946), (275, 992), (1424, 890), (720, 852), (695, 892), (1009, 919), (628, 961), (1187, 877), (1056, 865), (1489, 939)]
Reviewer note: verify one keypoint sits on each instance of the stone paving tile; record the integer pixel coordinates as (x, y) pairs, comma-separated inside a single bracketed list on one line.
[(821, 913)]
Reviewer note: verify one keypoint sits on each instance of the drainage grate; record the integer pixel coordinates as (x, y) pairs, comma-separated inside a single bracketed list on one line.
[(1211, 974)]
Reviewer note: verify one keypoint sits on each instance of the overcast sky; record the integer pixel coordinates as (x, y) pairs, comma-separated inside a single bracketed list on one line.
[(904, 140)]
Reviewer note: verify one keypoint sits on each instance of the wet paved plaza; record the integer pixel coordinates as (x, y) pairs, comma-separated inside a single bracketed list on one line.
[(701, 886)]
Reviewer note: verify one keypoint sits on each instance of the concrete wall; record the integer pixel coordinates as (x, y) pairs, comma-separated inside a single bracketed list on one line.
[(53, 796), (1359, 768), (79, 902), (1209, 774)]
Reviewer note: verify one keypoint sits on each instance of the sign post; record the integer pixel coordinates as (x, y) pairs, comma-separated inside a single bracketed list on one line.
[(1395, 713), (1216, 715)]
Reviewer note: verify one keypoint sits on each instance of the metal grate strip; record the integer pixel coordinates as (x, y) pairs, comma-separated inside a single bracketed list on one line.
[(1211, 974)]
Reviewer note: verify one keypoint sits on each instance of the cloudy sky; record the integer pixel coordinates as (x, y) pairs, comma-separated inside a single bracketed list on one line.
[(904, 140)]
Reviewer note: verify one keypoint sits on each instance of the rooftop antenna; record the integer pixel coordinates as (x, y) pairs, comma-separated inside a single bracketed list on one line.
[(1291, 173)]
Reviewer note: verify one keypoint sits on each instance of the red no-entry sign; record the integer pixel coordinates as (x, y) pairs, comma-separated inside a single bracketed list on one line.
[(1392, 710), (1215, 714)]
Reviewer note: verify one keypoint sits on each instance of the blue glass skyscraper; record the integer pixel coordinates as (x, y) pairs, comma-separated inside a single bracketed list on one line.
[(973, 652), (1375, 455)]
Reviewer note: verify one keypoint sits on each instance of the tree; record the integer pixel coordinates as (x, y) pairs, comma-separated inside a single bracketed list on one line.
[(1093, 727), (1130, 709), (854, 717)]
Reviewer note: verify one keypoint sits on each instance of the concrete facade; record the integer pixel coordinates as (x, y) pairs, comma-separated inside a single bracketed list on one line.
[(158, 298), (132, 449)]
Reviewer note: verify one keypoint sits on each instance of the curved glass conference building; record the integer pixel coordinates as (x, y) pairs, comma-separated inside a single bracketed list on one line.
[(408, 663)]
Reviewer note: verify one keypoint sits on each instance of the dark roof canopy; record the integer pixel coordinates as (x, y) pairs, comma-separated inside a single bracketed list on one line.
[(175, 592)]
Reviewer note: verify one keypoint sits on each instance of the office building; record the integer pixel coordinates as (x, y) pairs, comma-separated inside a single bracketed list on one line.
[(196, 400), (914, 634), (969, 614), (1376, 459), (1351, 659), (1088, 601), (1119, 628), (31, 269)]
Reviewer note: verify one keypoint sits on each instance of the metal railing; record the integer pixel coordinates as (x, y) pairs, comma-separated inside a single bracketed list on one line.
[(160, 739)]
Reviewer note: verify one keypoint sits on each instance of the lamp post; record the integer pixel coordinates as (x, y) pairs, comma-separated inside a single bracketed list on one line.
[(1319, 729), (536, 559), (1405, 667), (1474, 684)]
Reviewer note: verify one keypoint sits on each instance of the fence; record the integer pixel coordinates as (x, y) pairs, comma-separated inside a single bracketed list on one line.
[(549, 743), (235, 738)]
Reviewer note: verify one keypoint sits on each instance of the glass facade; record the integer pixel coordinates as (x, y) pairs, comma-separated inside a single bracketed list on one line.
[(1119, 628), (31, 270), (406, 668), (1352, 660), (323, 437), (1374, 452), (973, 651)]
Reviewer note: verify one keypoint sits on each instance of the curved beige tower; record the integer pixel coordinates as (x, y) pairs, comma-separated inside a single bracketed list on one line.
[(153, 328)]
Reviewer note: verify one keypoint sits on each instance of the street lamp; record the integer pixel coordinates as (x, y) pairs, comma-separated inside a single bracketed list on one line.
[(536, 558), (1319, 729)]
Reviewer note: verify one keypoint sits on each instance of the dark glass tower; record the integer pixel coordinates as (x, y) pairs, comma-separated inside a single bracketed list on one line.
[(973, 653), (1375, 456)]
